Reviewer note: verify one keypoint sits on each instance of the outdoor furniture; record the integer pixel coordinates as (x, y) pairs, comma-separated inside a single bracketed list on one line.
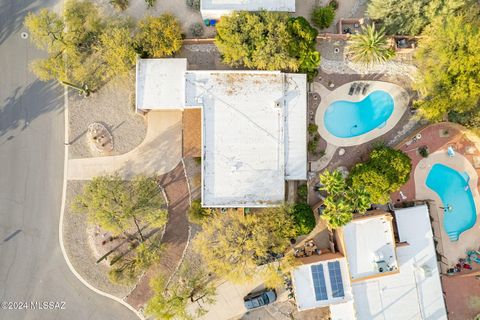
[(365, 88), (352, 89), (358, 88)]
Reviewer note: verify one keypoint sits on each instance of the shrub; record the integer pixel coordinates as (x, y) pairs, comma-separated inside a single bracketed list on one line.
[(312, 128), (386, 171), (150, 3), (323, 17), (302, 192), (196, 29), (423, 151), (197, 214), (159, 36), (194, 4), (312, 146), (119, 4), (333, 4), (303, 218)]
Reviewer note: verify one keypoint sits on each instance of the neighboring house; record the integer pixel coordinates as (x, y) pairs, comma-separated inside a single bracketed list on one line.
[(253, 127), (379, 277), (215, 9)]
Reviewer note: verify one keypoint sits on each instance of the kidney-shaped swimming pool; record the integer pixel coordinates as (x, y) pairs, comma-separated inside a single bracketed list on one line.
[(452, 187), (347, 119)]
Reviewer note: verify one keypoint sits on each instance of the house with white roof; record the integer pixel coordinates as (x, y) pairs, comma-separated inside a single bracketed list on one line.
[(384, 277), (215, 9), (253, 127)]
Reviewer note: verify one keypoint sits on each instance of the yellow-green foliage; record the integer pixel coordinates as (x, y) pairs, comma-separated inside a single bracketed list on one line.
[(448, 59), (233, 244), (159, 36)]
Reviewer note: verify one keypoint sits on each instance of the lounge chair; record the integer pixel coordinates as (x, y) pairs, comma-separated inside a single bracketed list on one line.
[(365, 88), (352, 89), (358, 89)]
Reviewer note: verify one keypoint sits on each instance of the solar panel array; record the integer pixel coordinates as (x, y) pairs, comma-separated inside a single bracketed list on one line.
[(336, 279), (319, 282)]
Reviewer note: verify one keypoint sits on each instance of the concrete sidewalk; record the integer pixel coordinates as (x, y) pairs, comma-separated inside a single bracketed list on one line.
[(159, 153)]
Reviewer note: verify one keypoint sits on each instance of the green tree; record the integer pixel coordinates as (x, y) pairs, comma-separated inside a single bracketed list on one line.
[(303, 218), (193, 285), (303, 46), (126, 268), (74, 44), (448, 60), (342, 200), (159, 36), (268, 41), (385, 172), (233, 245), (117, 49), (410, 17), (323, 17), (120, 206), (370, 46)]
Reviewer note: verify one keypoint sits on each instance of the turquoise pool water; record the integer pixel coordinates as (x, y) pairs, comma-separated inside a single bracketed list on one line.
[(449, 184), (347, 119)]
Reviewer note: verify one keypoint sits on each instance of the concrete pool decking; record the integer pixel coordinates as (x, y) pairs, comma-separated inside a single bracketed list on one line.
[(452, 250), (400, 97)]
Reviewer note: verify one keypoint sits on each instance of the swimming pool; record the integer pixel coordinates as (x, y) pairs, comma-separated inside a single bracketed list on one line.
[(450, 185), (347, 119)]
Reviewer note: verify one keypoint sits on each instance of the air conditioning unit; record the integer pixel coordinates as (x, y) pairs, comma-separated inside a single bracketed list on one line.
[(382, 266)]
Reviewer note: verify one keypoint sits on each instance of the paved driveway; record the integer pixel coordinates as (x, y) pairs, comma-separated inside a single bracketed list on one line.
[(32, 267), (159, 153)]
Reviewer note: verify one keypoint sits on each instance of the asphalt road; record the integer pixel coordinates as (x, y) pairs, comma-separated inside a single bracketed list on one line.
[(32, 267)]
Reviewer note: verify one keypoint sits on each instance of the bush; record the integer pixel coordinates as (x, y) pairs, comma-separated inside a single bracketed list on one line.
[(323, 17), (197, 214), (333, 4), (303, 218), (386, 171), (312, 145), (302, 192), (423, 151), (119, 4), (150, 3), (196, 29), (312, 128), (159, 36), (194, 4)]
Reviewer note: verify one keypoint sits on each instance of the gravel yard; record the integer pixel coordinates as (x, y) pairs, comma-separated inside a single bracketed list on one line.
[(79, 251), (112, 106)]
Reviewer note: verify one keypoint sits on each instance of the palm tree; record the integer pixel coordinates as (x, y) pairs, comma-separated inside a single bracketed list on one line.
[(337, 213), (370, 46), (332, 182)]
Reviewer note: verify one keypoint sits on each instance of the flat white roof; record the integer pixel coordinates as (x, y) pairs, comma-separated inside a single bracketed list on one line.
[(370, 246), (308, 290), (254, 134), (416, 291), (243, 133), (296, 126), (249, 5), (160, 84)]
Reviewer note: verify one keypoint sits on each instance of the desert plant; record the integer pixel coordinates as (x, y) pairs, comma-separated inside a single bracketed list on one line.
[(370, 46), (302, 192), (196, 29), (303, 218), (312, 145), (423, 151), (150, 3), (323, 17), (333, 4), (312, 128), (119, 4), (194, 4)]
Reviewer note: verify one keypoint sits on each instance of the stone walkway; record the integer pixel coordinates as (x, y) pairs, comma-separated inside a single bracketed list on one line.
[(159, 153), (175, 238)]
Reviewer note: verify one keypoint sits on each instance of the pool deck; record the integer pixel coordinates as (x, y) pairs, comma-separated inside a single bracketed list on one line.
[(400, 96), (467, 157)]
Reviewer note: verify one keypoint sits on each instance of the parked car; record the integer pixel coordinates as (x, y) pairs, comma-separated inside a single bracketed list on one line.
[(259, 299)]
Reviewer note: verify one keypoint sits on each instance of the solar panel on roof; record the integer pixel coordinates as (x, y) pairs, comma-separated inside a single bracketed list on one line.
[(336, 279), (319, 282)]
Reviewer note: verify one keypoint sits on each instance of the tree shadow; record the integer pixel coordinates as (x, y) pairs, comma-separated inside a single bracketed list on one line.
[(23, 106), (13, 12)]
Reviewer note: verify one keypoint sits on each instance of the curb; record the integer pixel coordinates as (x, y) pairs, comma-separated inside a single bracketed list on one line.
[(60, 225)]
